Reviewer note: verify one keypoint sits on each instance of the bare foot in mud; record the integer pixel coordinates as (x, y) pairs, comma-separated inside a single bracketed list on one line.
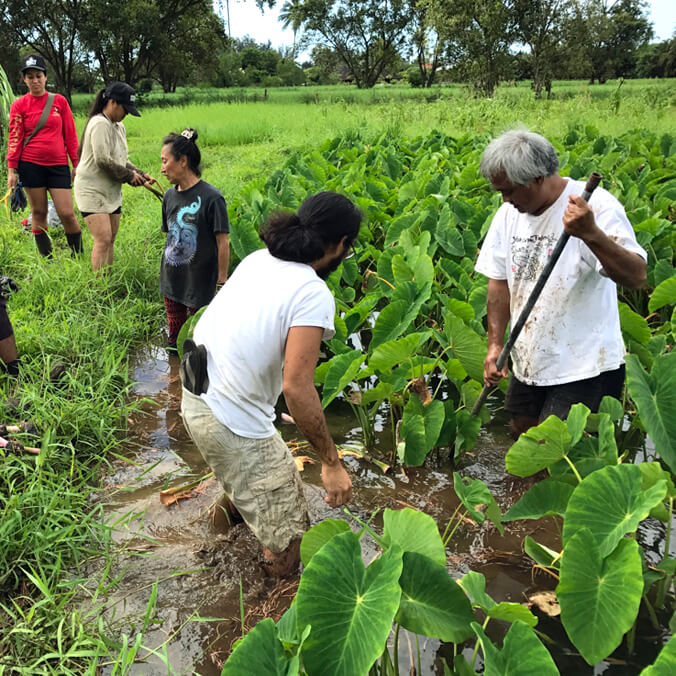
[(284, 563)]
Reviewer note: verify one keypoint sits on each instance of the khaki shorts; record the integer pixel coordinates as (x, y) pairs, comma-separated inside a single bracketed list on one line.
[(258, 475)]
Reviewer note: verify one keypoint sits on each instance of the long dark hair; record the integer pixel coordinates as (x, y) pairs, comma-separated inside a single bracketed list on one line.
[(97, 108), (322, 220), (185, 145)]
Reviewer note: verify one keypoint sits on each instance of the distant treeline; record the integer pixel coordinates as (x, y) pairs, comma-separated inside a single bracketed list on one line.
[(175, 43)]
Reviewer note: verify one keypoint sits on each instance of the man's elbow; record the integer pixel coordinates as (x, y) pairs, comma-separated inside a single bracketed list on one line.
[(639, 278)]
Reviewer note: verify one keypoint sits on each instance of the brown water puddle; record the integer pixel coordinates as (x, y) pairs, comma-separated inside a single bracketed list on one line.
[(199, 565)]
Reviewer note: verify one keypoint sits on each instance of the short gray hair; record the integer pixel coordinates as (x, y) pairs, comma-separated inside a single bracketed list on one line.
[(521, 155)]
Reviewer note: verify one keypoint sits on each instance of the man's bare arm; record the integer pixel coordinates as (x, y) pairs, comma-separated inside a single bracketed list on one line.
[(624, 267), (223, 243), (302, 400), (497, 316)]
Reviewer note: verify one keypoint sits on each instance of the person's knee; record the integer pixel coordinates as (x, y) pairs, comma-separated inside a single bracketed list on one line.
[(38, 214), (104, 240)]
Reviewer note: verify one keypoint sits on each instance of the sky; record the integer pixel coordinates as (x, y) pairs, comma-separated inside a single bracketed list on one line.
[(246, 19)]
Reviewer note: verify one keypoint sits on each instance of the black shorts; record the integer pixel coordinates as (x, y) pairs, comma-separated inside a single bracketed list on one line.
[(91, 213), (533, 401), (40, 176), (5, 325)]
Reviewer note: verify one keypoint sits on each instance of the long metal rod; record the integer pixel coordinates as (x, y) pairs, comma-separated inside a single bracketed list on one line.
[(590, 186)]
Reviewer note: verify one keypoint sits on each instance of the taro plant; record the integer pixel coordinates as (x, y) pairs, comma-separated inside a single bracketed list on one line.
[(344, 612), (603, 576)]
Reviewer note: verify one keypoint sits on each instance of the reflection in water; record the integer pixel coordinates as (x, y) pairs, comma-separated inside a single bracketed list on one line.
[(201, 565)]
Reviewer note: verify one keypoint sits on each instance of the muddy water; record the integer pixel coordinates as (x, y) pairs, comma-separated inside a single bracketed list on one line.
[(202, 567)]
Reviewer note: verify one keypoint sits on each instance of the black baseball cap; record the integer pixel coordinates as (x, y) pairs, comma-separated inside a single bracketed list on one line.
[(35, 62), (124, 95)]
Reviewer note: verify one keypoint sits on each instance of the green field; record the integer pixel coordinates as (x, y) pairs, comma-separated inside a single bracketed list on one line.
[(64, 313)]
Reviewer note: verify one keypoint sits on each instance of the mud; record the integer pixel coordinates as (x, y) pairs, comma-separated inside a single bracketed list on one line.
[(201, 567)]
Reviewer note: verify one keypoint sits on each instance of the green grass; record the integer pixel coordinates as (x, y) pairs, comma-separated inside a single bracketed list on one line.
[(65, 313)]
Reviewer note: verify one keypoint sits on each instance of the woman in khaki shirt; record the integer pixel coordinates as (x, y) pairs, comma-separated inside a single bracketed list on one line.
[(104, 166)]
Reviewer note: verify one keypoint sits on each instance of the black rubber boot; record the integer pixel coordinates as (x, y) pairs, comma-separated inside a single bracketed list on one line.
[(12, 367), (75, 243), (44, 244)]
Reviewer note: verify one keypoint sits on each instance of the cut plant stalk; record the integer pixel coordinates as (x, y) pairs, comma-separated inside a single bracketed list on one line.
[(590, 186)]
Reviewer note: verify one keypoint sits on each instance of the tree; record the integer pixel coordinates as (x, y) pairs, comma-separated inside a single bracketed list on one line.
[(429, 38), (49, 28), (291, 14), (603, 35), (127, 38), (657, 60), (538, 25), (365, 34), (484, 31)]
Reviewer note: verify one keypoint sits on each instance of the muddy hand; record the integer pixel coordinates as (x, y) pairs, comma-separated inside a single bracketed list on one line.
[(491, 374), (578, 219), (337, 484)]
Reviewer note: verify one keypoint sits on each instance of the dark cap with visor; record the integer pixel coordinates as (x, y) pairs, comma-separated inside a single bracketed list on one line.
[(33, 62), (124, 95)]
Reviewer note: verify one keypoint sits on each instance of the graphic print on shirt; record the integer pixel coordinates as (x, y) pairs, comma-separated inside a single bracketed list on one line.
[(529, 255), (182, 235)]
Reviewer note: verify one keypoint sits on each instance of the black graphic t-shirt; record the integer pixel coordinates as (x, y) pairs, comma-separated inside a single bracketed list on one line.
[(191, 218)]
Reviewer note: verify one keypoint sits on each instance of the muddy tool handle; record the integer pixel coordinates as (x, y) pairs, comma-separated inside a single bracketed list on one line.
[(590, 186)]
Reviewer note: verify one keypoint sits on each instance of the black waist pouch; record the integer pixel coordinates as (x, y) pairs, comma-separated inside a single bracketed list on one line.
[(193, 368)]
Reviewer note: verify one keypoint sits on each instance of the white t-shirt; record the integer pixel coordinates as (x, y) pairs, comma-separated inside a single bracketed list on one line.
[(244, 329), (573, 332)]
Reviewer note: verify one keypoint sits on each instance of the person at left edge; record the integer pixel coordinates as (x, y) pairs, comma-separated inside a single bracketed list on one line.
[(195, 220), (42, 163)]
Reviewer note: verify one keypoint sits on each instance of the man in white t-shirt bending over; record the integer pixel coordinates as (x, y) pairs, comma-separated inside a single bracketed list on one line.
[(570, 349), (262, 333)]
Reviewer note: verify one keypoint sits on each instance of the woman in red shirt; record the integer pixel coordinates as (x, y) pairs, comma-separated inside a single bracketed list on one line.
[(41, 164)]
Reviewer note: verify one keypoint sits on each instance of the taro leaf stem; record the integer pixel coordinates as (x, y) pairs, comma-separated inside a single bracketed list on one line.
[(572, 466), (396, 649), (450, 521), (665, 583), (476, 645), (417, 648)]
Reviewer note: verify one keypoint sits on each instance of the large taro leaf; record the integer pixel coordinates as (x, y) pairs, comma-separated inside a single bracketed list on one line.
[(413, 531), (610, 503), (318, 536), (599, 596), (432, 603), (261, 652), (350, 608), (420, 428), (655, 397), (633, 324), (508, 611), (466, 346), (387, 355), (474, 492), (474, 585), (546, 498), (665, 664), (522, 653), (538, 448), (341, 372), (664, 294)]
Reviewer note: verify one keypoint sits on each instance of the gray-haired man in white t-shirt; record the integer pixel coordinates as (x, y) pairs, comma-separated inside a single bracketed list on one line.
[(571, 348), (262, 333)]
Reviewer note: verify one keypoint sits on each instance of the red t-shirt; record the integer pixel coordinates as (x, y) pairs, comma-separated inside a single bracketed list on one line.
[(53, 144)]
